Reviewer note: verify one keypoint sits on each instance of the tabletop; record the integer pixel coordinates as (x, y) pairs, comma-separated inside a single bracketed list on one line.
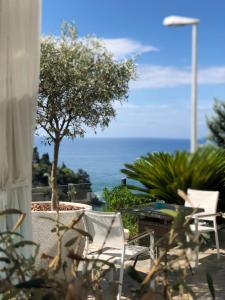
[(159, 210)]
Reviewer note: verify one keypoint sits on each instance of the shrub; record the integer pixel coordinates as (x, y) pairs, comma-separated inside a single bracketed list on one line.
[(121, 197), (159, 175)]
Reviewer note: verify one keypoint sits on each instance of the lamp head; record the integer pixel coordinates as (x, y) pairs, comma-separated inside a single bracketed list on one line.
[(179, 21)]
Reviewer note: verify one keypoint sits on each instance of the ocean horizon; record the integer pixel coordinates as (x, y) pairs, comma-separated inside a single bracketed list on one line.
[(103, 158)]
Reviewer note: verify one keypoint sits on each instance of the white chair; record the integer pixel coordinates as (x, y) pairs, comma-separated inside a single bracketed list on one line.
[(208, 201), (109, 244)]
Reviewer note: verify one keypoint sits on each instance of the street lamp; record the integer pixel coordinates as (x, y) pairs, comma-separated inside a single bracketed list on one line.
[(182, 21)]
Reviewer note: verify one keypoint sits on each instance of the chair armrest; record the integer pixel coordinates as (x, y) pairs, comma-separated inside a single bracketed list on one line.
[(140, 236), (204, 215)]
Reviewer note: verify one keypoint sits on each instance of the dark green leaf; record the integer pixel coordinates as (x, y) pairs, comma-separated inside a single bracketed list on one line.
[(5, 259), (10, 212), (24, 243)]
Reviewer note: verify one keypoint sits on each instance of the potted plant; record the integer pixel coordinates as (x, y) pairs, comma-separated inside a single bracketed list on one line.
[(42, 215)]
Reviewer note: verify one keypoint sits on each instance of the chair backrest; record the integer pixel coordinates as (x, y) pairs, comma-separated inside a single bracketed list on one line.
[(106, 229), (206, 200)]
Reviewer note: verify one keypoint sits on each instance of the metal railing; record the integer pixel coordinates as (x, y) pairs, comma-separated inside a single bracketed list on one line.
[(80, 192)]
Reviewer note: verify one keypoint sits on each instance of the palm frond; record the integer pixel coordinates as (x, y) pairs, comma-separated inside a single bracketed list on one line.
[(161, 174)]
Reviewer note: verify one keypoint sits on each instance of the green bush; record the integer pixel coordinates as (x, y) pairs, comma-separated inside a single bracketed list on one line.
[(121, 197), (159, 175)]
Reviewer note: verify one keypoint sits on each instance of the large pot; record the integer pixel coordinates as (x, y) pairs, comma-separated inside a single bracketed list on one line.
[(42, 227)]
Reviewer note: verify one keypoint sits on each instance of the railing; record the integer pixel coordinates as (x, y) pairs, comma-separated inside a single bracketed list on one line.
[(72, 192)]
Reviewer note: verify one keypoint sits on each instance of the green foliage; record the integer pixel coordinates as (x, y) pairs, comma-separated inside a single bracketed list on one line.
[(79, 82), (42, 169), (160, 175), (216, 124), (120, 197)]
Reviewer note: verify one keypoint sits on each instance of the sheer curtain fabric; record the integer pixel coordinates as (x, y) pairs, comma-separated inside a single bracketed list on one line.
[(19, 76)]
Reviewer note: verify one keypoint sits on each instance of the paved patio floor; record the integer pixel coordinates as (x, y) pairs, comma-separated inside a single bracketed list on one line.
[(208, 263)]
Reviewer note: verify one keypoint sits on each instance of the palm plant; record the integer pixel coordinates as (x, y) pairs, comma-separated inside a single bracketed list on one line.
[(159, 175)]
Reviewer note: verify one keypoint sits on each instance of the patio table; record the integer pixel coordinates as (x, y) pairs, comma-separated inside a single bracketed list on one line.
[(153, 217)]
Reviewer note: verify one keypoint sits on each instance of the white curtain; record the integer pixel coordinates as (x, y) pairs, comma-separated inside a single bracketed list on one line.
[(19, 76)]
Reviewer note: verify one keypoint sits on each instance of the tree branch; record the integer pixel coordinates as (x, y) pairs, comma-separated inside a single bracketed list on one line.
[(48, 132)]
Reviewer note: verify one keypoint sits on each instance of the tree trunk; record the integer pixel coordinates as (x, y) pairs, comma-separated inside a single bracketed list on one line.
[(53, 178)]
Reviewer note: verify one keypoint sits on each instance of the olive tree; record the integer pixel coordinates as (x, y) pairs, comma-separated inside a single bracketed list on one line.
[(79, 83)]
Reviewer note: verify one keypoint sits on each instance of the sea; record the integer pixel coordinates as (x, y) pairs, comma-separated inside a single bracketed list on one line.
[(103, 158)]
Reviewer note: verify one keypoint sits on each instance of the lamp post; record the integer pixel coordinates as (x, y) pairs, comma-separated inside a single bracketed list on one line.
[(182, 21)]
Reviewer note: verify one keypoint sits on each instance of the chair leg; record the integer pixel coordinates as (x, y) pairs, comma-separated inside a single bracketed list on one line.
[(152, 257), (217, 244), (120, 282), (152, 248), (197, 242)]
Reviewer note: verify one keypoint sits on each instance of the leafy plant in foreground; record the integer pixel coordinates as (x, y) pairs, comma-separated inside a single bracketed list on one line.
[(22, 279), (170, 272)]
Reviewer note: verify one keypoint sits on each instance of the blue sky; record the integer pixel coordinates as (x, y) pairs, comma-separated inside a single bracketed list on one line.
[(159, 101)]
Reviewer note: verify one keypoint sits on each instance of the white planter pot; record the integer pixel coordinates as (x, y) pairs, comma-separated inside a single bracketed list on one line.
[(42, 227)]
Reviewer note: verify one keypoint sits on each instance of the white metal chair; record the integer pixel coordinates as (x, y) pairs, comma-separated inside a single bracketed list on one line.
[(208, 201), (109, 244)]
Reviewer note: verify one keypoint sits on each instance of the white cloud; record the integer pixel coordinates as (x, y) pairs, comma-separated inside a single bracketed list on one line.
[(136, 107), (149, 120), (156, 120), (212, 75), (122, 47), (153, 76), (119, 47)]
